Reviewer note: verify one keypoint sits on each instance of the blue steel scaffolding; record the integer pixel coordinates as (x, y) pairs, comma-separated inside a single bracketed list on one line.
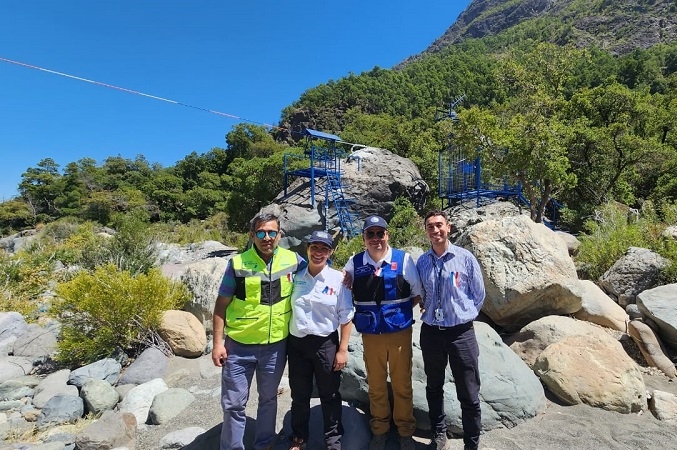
[(324, 170), (460, 178)]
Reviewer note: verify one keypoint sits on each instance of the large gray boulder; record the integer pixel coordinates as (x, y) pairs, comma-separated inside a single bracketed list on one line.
[(527, 271), (636, 271), (150, 364), (660, 305), (510, 392), (372, 177)]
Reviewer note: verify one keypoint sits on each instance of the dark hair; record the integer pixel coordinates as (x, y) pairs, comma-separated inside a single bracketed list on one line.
[(436, 212), (263, 217)]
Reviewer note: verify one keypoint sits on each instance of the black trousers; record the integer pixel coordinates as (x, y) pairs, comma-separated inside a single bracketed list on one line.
[(313, 356), (456, 346)]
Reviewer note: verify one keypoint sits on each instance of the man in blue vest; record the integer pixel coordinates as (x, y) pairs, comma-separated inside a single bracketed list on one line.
[(386, 286), (454, 292), (254, 308)]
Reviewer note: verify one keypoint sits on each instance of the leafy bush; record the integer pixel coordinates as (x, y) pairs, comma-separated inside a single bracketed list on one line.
[(406, 227), (109, 310), (344, 250), (214, 228), (132, 248), (614, 229)]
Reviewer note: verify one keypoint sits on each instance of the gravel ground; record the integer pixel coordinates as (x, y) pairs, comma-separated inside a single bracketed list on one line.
[(559, 428)]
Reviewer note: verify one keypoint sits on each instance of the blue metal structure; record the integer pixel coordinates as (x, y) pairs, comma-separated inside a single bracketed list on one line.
[(460, 178), (324, 170)]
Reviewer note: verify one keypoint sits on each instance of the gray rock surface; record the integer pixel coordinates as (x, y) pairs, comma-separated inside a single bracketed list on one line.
[(14, 366), (594, 370), (61, 409), (12, 325), (527, 271), (105, 369), (169, 404), (99, 396), (203, 279), (36, 342), (112, 430), (150, 364), (139, 399), (660, 305), (636, 271)]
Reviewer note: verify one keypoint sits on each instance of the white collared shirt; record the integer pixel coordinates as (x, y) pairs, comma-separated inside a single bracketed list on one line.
[(320, 303)]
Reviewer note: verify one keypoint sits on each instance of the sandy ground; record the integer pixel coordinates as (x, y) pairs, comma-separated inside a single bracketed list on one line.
[(560, 427)]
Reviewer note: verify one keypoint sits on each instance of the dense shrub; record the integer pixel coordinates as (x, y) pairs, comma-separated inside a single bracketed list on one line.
[(406, 227), (110, 310), (133, 247), (344, 250), (613, 230)]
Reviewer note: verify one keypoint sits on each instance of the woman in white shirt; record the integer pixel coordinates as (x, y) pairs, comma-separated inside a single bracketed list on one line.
[(317, 346)]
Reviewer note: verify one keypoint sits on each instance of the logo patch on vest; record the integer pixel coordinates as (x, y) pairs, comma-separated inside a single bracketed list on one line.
[(393, 265), (363, 270)]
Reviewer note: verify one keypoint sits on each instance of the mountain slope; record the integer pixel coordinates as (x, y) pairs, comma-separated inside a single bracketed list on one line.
[(618, 26)]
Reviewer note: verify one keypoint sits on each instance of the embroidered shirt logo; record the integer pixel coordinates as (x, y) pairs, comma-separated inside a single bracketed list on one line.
[(327, 290)]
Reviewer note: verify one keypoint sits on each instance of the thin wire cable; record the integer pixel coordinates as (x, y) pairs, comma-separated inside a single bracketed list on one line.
[(155, 97)]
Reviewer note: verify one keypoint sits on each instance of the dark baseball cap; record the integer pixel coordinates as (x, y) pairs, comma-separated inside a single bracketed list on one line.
[(322, 237), (375, 221)]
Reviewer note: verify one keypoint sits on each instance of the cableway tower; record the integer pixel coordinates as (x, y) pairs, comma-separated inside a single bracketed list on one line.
[(324, 173)]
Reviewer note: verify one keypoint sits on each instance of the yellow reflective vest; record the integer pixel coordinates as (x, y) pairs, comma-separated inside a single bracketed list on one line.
[(260, 310)]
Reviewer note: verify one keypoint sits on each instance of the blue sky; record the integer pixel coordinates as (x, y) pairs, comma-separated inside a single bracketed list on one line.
[(248, 59)]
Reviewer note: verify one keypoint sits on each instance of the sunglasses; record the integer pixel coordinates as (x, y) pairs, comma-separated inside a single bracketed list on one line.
[(261, 234), (379, 234)]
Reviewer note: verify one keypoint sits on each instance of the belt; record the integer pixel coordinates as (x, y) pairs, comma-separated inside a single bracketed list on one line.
[(453, 327)]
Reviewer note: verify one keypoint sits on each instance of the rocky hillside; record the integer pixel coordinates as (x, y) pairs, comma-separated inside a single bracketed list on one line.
[(618, 26)]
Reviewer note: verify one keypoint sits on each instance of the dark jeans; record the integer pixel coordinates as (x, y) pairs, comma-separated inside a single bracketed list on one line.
[(456, 346), (314, 356)]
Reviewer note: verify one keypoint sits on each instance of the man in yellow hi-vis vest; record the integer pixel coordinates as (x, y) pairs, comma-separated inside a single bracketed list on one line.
[(254, 308)]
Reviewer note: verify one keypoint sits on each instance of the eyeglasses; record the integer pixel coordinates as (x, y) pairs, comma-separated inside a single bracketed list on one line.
[(379, 234), (261, 234)]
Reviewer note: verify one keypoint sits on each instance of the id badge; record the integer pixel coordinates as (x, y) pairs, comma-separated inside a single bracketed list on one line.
[(439, 315)]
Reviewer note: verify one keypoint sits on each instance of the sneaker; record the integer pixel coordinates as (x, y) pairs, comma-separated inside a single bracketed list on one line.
[(407, 443), (439, 442), (297, 444), (378, 442)]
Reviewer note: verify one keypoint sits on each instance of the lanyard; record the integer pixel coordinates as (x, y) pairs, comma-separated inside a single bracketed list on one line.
[(438, 286)]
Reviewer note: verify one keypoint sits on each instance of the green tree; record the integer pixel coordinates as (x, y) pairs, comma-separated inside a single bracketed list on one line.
[(39, 187)]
